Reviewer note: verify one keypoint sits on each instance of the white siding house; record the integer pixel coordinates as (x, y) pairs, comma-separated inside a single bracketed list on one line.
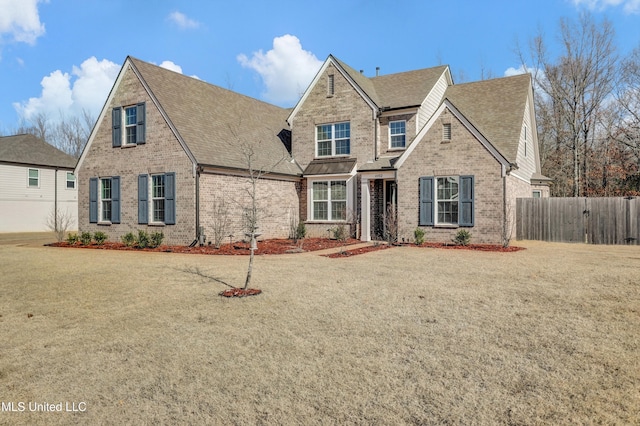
[(36, 179)]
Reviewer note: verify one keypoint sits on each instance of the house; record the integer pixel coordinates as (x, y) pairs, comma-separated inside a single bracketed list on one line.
[(385, 154), (171, 154), (36, 180), (397, 152)]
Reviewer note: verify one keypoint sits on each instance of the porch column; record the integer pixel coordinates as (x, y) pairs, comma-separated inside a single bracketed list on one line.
[(365, 210)]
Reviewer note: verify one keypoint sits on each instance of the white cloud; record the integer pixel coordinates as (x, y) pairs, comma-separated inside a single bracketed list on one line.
[(63, 93), (629, 6), (20, 20), (286, 69), (182, 21), (171, 66)]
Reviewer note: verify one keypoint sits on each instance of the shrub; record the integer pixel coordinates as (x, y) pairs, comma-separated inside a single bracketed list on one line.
[(419, 235), (340, 233), (301, 231), (156, 239), (143, 239), (72, 238), (85, 238), (100, 237), (129, 239), (462, 238)]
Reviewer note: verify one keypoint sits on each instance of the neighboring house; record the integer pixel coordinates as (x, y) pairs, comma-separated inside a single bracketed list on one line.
[(415, 148), (36, 180), (405, 150), (169, 154)]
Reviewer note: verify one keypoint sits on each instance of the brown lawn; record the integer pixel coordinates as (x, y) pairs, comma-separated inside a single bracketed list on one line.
[(546, 335)]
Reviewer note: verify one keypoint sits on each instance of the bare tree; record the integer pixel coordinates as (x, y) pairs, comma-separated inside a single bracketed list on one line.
[(72, 133), (574, 88)]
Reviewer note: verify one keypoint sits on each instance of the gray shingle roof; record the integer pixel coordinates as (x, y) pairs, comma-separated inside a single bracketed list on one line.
[(405, 89), (332, 166), (496, 108), (29, 150), (213, 122)]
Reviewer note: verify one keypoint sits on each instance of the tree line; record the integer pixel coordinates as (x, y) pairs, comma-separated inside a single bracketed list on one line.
[(587, 99)]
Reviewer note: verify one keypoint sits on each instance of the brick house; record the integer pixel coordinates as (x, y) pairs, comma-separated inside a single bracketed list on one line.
[(416, 150), (168, 150), (410, 149)]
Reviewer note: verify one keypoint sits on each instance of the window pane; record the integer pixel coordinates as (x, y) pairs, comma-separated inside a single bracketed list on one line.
[(130, 116), (320, 210), (343, 130), (158, 210), (324, 148), (320, 190), (397, 141), (324, 132), (130, 135), (106, 210), (338, 190), (106, 189), (338, 210), (343, 147), (158, 186)]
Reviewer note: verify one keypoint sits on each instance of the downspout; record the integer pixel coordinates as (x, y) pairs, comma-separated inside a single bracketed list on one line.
[(197, 176), (55, 200)]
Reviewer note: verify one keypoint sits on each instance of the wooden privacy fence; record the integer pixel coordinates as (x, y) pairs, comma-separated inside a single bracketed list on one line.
[(613, 220)]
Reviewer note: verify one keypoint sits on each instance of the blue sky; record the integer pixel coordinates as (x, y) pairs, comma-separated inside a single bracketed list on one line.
[(62, 56)]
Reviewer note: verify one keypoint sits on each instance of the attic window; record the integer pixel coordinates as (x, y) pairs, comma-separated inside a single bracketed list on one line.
[(446, 131), (330, 85)]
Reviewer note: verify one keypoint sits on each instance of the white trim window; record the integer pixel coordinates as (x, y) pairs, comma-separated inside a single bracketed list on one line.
[(329, 200), (397, 134), (537, 193), (130, 124), (71, 181), (333, 139), (158, 198), (105, 199), (33, 178), (447, 196)]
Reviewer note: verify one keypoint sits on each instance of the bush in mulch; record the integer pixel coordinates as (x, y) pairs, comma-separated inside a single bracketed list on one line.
[(478, 247), (274, 246), (240, 292)]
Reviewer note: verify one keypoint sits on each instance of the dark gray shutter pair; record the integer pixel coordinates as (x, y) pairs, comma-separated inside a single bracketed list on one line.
[(465, 201), (116, 125), (115, 199), (169, 199)]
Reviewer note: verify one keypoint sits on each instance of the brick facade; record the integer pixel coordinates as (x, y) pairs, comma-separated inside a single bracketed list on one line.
[(162, 153), (463, 155)]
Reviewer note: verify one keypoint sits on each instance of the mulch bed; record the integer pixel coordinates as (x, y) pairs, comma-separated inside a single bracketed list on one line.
[(276, 246), (361, 250), (479, 247), (240, 292)]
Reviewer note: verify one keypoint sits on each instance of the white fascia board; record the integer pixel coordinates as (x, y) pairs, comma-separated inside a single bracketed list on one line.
[(330, 60), (475, 132)]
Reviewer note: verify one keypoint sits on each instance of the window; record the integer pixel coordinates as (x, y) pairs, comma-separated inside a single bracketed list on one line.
[(160, 206), (157, 197), (71, 181), (329, 200), (104, 200), (447, 200), (129, 126), (537, 193), (446, 131), (333, 139), (34, 178), (397, 134), (330, 85), (449, 203)]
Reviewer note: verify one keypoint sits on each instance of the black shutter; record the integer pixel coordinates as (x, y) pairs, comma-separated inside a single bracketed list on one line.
[(116, 127), (466, 201), (426, 201), (93, 200), (143, 199), (115, 199), (140, 125), (170, 199)]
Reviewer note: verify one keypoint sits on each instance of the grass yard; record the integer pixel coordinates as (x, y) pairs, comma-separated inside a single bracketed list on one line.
[(547, 335)]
